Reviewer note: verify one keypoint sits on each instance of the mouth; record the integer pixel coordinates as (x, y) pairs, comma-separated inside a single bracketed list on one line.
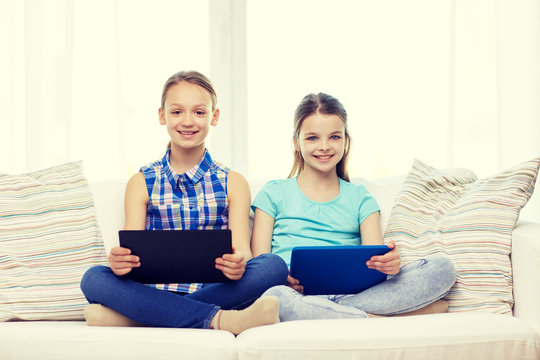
[(323, 157), (187, 133)]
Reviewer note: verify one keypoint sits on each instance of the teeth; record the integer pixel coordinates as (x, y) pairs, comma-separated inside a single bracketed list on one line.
[(323, 157), (187, 132)]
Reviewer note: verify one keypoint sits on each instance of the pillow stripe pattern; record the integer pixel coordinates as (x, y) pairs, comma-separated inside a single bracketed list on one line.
[(469, 220), (48, 238)]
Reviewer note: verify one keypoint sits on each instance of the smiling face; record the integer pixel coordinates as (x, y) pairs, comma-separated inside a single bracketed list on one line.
[(187, 113), (321, 142)]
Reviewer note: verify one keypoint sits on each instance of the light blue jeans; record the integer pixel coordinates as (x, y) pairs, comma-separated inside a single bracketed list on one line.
[(418, 284), (161, 308)]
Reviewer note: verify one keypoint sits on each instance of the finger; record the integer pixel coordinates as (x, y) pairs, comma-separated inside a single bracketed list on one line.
[(233, 257), (229, 264), (292, 281), (231, 274), (230, 267), (122, 269), (388, 257), (124, 265), (384, 264), (117, 250), (124, 258), (298, 288), (387, 268)]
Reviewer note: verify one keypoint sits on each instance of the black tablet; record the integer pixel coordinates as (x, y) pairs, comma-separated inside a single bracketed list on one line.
[(177, 256)]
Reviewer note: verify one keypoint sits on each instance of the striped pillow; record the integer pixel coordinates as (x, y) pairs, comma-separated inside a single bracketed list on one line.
[(469, 220), (48, 238)]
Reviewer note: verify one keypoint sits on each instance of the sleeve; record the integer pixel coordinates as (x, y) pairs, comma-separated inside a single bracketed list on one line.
[(267, 199), (368, 204)]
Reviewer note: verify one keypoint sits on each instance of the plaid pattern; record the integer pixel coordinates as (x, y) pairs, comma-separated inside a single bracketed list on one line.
[(195, 200)]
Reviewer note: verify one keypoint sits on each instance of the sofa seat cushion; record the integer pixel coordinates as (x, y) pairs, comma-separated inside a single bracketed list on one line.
[(441, 336), (50, 340)]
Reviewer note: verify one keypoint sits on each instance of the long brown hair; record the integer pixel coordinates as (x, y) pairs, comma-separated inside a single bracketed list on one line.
[(323, 104), (192, 77)]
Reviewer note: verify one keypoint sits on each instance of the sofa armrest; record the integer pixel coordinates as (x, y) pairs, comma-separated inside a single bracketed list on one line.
[(526, 270)]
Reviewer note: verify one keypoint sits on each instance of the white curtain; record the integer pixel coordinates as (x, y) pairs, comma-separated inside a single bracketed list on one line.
[(82, 80), (496, 113), (454, 83)]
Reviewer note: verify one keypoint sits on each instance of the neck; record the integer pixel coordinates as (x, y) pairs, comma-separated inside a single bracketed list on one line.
[(318, 187), (184, 159), (315, 179)]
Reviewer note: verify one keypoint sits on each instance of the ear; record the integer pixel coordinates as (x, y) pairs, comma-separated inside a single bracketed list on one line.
[(161, 115), (295, 144), (215, 118)]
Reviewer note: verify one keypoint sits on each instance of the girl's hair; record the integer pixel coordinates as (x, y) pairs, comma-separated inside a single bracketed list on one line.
[(192, 77), (323, 104)]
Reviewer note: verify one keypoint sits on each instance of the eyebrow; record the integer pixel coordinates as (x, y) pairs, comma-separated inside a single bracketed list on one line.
[(195, 106), (332, 133)]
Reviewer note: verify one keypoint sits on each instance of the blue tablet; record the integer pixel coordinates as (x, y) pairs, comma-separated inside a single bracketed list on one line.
[(326, 270)]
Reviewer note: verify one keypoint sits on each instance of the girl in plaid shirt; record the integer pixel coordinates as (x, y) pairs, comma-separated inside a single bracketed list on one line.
[(187, 189)]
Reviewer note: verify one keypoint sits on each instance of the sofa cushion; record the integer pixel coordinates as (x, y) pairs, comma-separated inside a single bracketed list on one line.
[(469, 220), (48, 238), (439, 336), (59, 340)]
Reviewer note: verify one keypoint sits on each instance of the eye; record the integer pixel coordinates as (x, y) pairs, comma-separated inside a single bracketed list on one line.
[(176, 112), (311, 138), (200, 113), (335, 137)]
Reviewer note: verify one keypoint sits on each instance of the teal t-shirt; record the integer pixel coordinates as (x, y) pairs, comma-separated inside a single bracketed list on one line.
[(299, 221)]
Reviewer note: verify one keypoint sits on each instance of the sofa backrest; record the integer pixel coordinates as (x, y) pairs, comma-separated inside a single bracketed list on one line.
[(109, 208), (109, 202)]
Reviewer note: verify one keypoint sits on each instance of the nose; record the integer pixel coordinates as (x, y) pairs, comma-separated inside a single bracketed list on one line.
[(186, 119), (323, 145)]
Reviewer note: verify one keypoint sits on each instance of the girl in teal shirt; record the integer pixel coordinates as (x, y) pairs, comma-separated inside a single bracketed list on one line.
[(318, 206)]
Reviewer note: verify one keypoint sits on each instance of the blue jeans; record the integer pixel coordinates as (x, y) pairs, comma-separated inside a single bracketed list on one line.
[(418, 284), (161, 308)]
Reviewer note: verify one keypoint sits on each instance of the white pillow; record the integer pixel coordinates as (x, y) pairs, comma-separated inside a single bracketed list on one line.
[(469, 220), (48, 238)]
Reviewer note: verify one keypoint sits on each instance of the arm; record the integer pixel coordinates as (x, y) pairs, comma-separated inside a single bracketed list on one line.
[(234, 265), (261, 236), (135, 203), (136, 200), (261, 241), (370, 231)]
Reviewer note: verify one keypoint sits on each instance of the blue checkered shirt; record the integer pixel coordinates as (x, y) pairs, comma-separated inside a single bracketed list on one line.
[(194, 200)]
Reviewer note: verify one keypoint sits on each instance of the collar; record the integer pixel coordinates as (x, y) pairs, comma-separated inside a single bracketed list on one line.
[(194, 175)]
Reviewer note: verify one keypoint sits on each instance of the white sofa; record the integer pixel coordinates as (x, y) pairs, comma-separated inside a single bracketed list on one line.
[(440, 336)]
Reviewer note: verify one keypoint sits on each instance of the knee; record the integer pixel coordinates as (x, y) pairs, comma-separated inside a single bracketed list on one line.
[(274, 267), (279, 291), (445, 269), (93, 279)]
